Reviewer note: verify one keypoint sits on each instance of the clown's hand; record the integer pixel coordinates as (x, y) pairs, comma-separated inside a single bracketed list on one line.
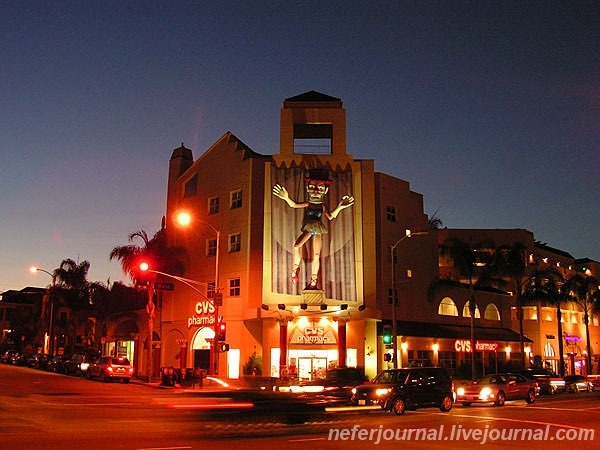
[(347, 200), (281, 192)]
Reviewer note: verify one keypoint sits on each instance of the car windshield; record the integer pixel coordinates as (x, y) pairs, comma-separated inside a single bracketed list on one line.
[(120, 362), (494, 379), (391, 376)]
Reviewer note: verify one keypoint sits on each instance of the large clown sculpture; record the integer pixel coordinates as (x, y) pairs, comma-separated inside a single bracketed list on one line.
[(317, 186)]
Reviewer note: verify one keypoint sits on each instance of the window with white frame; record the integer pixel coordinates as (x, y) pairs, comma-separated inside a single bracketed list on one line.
[(391, 213), (213, 205), (235, 242), (211, 247), (447, 307), (234, 287), (236, 199)]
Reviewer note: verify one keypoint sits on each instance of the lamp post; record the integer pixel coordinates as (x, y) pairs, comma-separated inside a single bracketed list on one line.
[(185, 219), (51, 301), (394, 297)]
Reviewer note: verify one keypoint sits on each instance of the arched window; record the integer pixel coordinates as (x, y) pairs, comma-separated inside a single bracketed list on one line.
[(467, 312), (491, 312), (447, 307)]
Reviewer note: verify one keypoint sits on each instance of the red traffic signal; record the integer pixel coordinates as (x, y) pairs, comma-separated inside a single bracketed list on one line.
[(221, 332), (387, 357)]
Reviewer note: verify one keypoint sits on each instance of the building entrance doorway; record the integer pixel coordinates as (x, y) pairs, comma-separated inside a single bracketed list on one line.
[(310, 368)]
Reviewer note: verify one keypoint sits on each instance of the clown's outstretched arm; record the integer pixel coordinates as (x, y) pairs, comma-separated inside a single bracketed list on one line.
[(345, 202), (282, 193)]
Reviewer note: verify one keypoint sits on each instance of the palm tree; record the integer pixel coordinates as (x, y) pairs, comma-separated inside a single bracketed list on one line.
[(510, 261), (163, 258), (584, 291), (72, 288), (547, 287), (468, 258)]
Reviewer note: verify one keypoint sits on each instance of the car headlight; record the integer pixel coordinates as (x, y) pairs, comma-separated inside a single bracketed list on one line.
[(314, 389), (460, 391), (485, 393), (382, 391)]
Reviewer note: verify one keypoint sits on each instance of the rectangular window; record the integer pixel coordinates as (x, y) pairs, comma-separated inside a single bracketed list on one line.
[(235, 243), (210, 289), (236, 199), (211, 247), (191, 187), (234, 287), (213, 205), (391, 213)]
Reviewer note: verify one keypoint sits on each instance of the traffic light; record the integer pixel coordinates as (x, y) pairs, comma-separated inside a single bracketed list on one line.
[(387, 357), (221, 332), (387, 334), (223, 347)]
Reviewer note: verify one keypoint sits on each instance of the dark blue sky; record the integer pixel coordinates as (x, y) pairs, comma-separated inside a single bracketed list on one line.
[(489, 109)]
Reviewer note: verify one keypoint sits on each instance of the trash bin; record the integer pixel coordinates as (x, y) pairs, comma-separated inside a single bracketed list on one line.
[(167, 376)]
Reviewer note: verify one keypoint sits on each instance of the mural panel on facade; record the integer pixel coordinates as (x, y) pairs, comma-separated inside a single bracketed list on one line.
[(310, 251)]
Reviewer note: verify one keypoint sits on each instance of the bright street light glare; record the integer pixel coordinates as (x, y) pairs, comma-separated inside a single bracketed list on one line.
[(144, 266), (33, 269), (184, 218)]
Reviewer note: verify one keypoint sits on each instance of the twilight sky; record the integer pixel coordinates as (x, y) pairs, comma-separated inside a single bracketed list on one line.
[(489, 109)]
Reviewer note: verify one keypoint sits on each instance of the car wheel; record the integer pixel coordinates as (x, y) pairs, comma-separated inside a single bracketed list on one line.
[(399, 406), (66, 371), (575, 389), (466, 403), (125, 380), (501, 399), (446, 403), (590, 388), (530, 396), (102, 377), (552, 390), (88, 374)]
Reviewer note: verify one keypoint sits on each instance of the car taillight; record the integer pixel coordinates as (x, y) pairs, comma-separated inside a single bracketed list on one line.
[(109, 368)]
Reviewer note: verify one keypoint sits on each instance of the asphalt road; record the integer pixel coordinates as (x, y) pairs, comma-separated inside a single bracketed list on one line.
[(40, 410)]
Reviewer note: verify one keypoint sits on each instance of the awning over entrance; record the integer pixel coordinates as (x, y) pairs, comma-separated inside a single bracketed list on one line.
[(443, 331)]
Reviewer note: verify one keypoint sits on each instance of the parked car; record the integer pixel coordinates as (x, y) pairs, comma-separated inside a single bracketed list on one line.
[(57, 364), (9, 357), (79, 363), (578, 383), (38, 361), (335, 388), (497, 389), (548, 382), (109, 368), (397, 390)]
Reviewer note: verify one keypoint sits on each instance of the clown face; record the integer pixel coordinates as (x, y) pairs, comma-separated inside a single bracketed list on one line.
[(316, 191)]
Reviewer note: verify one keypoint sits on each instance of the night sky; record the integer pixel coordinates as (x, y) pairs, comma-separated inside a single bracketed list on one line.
[(488, 109)]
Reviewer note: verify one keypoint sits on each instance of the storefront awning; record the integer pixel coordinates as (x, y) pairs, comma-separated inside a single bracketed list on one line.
[(443, 331)]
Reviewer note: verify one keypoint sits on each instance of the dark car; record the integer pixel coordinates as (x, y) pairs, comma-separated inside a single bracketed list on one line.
[(38, 361), (335, 388), (397, 390), (548, 382), (10, 357), (578, 383), (79, 363), (57, 364)]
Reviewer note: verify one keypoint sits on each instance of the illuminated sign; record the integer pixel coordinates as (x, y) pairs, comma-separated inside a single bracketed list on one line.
[(464, 346), (204, 315), (572, 339), (314, 335)]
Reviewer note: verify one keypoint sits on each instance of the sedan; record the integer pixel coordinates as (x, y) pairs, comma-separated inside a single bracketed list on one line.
[(578, 383), (497, 389)]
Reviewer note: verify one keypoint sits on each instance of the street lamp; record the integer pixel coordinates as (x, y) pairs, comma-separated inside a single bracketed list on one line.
[(394, 299), (185, 219), (34, 269)]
